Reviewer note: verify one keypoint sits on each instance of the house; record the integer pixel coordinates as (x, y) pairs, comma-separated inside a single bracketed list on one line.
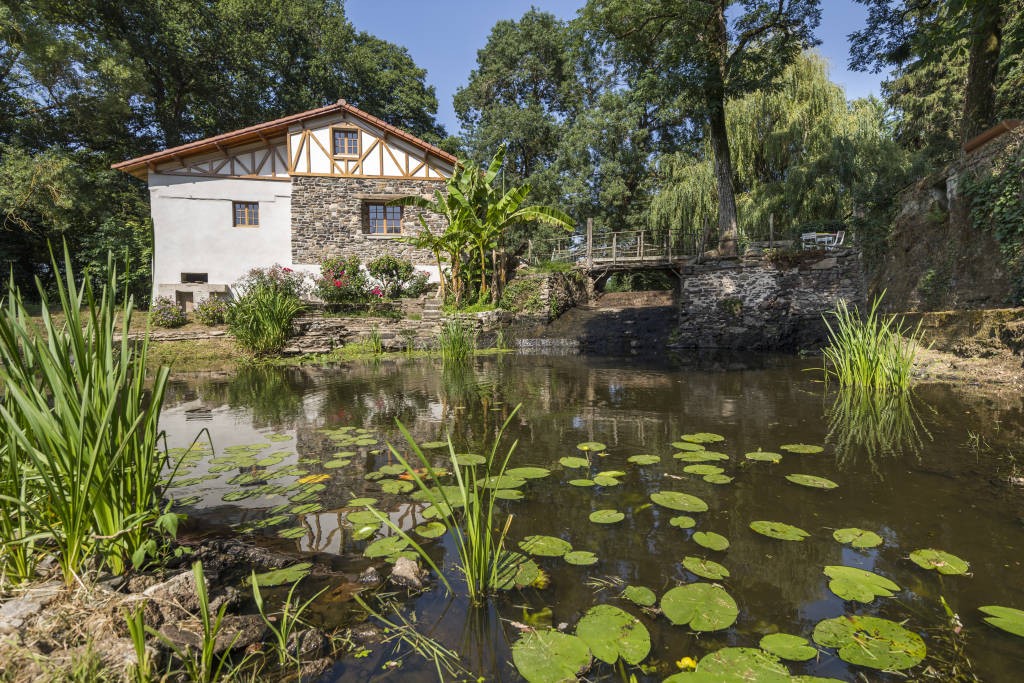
[(290, 191)]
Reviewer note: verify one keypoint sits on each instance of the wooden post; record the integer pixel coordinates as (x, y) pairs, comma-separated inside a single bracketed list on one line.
[(641, 248), (529, 251), (615, 247), (771, 230), (590, 243)]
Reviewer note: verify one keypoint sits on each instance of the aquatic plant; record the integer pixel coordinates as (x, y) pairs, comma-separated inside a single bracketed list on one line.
[(875, 424), (875, 352), (79, 433), (261, 319), (456, 340), (283, 626)]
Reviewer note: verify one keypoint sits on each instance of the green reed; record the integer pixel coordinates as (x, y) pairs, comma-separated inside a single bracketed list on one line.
[(261, 319), (875, 352), (79, 433), (457, 341), (876, 425)]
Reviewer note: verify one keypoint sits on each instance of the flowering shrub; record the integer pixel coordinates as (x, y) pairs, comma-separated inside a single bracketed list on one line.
[(276, 278), (341, 281), (211, 311), (166, 313), (393, 274), (417, 284)]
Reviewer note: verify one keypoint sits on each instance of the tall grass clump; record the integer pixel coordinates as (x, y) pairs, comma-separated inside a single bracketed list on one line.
[(874, 352), (261, 318), (469, 512), (456, 341), (80, 466)]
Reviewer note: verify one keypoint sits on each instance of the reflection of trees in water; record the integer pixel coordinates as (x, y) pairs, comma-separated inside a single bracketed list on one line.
[(876, 425)]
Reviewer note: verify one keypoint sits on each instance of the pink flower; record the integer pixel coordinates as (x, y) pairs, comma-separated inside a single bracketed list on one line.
[(337, 283), (377, 292), (287, 270)]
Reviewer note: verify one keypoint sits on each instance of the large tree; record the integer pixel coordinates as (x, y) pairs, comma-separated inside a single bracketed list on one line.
[(687, 58)]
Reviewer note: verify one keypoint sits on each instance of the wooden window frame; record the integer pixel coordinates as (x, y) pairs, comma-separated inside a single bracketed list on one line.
[(250, 216), (387, 225), (359, 142)]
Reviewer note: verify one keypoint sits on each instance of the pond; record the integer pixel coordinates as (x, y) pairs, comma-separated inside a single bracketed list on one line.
[(291, 447)]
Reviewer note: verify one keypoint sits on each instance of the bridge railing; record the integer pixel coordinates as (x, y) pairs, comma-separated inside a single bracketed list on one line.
[(615, 248)]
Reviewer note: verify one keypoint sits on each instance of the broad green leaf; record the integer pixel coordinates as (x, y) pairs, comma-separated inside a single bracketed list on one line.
[(1005, 618), (683, 522), (778, 530), (397, 486), (717, 478), (701, 456), (702, 606), (871, 641), (612, 633), (359, 502), (581, 482), (764, 456), (801, 448), (644, 459), (706, 569), (516, 570), (431, 530), (545, 546), (687, 446), (640, 595), (530, 472), (384, 547), (812, 481), (606, 480), (702, 437), (606, 516), (591, 446), (703, 469), (503, 481), (940, 560), (281, 577), (550, 657), (710, 540), (860, 585), (509, 494), (469, 459), (676, 500), (786, 646), (573, 462), (426, 446), (858, 538), (735, 665), (582, 558)]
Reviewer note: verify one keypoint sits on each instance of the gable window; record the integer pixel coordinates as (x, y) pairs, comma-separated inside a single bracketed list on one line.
[(247, 214), (345, 142), (384, 219)]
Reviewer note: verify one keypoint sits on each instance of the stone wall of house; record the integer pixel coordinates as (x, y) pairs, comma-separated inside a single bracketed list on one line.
[(329, 218), (760, 304)]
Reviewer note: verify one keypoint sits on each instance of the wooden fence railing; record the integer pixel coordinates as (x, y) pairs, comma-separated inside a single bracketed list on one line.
[(623, 248)]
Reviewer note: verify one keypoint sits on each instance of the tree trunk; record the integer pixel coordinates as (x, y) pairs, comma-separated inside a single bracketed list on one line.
[(727, 224), (980, 95)]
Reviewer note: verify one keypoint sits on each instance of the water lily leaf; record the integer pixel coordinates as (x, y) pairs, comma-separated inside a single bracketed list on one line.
[(581, 482), (509, 494), (687, 446), (573, 462), (860, 585), (271, 521), (233, 496), (786, 646), (612, 633), (469, 459), (293, 532), (702, 437), (431, 445), (606, 516), (701, 456), (683, 522), (359, 502), (392, 469), (706, 569), (373, 476), (702, 469), (764, 456), (606, 480), (360, 517), (397, 486), (676, 500), (812, 481), (940, 560), (279, 437), (582, 558), (801, 448), (545, 546), (640, 595), (336, 463), (591, 446), (529, 472), (858, 538), (711, 540), (365, 531), (431, 530), (644, 459), (281, 577), (702, 606), (503, 481), (271, 460), (516, 570), (384, 547), (871, 641), (1005, 618), (717, 478), (307, 508), (735, 665), (550, 657), (779, 531)]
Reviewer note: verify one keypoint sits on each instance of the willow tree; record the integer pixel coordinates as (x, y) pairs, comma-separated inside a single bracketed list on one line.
[(801, 154)]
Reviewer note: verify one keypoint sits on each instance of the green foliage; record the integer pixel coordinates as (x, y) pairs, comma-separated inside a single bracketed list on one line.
[(457, 341), (522, 295), (341, 281), (394, 275), (283, 625), (212, 311), (79, 454), (261, 319), (166, 313), (275, 278)]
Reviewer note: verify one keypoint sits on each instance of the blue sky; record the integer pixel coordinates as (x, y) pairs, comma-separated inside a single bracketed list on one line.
[(443, 37)]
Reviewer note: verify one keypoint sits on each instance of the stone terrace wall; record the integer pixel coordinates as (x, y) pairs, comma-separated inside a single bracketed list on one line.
[(328, 220), (758, 305)]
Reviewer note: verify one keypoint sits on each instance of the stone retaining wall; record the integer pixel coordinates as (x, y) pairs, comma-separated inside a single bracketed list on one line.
[(760, 305)]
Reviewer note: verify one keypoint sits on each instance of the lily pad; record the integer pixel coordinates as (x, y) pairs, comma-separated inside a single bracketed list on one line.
[(858, 538), (940, 560), (711, 540), (1005, 618), (702, 606), (606, 480), (735, 665), (427, 445), (581, 482), (306, 509), (702, 469), (644, 459), (516, 570), (683, 522), (503, 481), (550, 657), (687, 446), (702, 437), (337, 463), (640, 595), (859, 585), (812, 481), (530, 472), (764, 456), (509, 494), (779, 531), (676, 500), (581, 558), (469, 459), (701, 456), (365, 531), (359, 502), (591, 446), (706, 569), (606, 516), (786, 646), (431, 529), (804, 448), (717, 478), (871, 641), (573, 462), (612, 633), (293, 532), (392, 469), (396, 486), (281, 577), (387, 546), (545, 546)]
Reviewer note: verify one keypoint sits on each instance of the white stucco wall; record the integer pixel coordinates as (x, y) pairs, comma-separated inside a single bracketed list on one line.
[(193, 231)]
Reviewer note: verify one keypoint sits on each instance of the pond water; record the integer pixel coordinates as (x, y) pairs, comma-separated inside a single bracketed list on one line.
[(934, 471)]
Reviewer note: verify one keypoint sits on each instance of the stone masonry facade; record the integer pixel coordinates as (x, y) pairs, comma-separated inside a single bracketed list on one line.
[(755, 304), (329, 218)]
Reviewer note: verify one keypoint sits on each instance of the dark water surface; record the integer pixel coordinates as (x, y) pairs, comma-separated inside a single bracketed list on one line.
[(933, 472)]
